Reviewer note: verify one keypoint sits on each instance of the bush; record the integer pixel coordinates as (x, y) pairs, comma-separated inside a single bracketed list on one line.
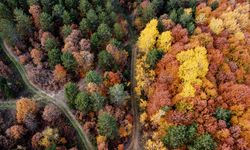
[(153, 57), (82, 102), (107, 126), (117, 94), (97, 100), (177, 136), (93, 76), (70, 92), (223, 114), (54, 56), (69, 61), (50, 44), (106, 60), (204, 142)]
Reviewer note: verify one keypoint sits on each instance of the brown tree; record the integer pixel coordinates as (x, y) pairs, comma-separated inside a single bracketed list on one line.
[(24, 106)]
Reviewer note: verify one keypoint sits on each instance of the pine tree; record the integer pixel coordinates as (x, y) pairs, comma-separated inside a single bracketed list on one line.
[(54, 56), (82, 102), (69, 61), (70, 93), (23, 23), (46, 22)]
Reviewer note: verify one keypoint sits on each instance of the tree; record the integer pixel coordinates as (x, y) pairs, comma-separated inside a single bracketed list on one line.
[(177, 136), (216, 25), (119, 33), (54, 56), (66, 30), (50, 44), (58, 10), (46, 22), (60, 73), (82, 102), (31, 122), (5, 13), (51, 113), (153, 57), (9, 32), (48, 5), (117, 94), (204, 142), (23, 23), (106, 60), (223, 114), (5, 88), (93, 76), (95, 41), (16, 132), (107, 125), (69, 61), (148, 13), (97, 101), (24, 107), (164, 41), (104, 33), (70, 92), (67, 19), (85, 27), (92, 19), (84, 7)]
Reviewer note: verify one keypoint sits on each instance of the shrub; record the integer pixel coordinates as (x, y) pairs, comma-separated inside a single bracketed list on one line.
[(93, 76), (107, 126), (117, 94), (82, 102), (70, 92)]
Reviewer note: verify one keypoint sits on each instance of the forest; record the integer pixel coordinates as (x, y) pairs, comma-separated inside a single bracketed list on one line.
[(125, 74)]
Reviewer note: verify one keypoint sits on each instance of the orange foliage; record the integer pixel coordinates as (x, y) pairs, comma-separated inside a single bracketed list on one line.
[(24, 106), (59, 73)]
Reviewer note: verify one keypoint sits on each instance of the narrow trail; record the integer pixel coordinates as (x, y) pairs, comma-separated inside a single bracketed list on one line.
[(49, 98)]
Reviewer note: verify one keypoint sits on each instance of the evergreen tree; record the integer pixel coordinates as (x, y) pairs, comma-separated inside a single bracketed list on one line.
[(93, 76), (9, 33), (82, 102), (107, 126), (106, 60), (66, 18), (118, 31), (23, 23), (47, 5), (66, 30), (104, 33), (92, 19), (204, 142), (5, 89), (84, 7), (69, 61), (50, 44), (58, 10), (95, 41), (84, 27), (70, 93), (46, 22), (153, 57), (117, 94), (54, 56), (5, 13), (97, 100)]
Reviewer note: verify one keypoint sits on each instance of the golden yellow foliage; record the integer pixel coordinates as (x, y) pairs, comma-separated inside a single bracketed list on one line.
[(216, 25), (154, 145), (24, 106), (193, 68), (148, 36), (50, 136), (164, 41)]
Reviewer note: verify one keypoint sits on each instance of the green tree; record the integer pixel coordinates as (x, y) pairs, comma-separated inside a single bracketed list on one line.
[(84, 7), (104, 33), (107, 125), (69, 61), (54, 56), (106, 60), (84, 27), (153, 57), (173, 15), (103, 17), (66, 30), (33, 2), (93, 76), (47, 5), (9, 33), (214, 5), (92, 19), (204, 142), (82, 102), (119, 33), (70, 93), (58, 10), (66, 18), (117, 94), (46, 22), (5, 88), (94, 41), (50, 44), (223, 114), (23, 23), (177, 136), (5, 13), (97, 100), (70, 3), (148, 13)]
